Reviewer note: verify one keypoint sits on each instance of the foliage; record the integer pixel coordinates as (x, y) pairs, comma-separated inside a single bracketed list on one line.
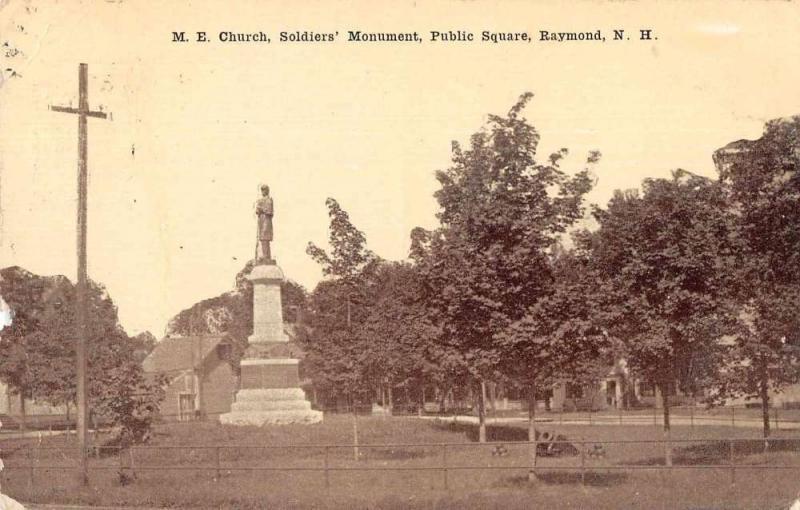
[(335, 350), (763, 183), (349, 258), (560, 337), (500, 213), (666, 261), (399, 337), (37, 351), (232, 313)]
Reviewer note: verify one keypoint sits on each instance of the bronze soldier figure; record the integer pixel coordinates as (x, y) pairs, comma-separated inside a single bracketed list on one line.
[(264, 211)]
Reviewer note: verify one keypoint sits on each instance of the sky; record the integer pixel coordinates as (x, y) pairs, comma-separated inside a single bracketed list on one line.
[(197, 127)]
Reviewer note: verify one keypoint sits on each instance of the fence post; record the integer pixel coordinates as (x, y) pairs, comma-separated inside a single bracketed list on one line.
[(655, 416), (327, 473), (691, 414), (733, 468), (776, 419), (133, 465), (121, 464), (620, 416), (583, 462), (444, 467), (30, 478), (216, 449)]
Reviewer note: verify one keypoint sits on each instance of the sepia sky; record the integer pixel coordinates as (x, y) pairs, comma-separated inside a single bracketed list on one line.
[(198, 126)]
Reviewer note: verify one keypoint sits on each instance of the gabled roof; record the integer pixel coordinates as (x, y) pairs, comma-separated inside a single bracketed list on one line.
[(174, 354)]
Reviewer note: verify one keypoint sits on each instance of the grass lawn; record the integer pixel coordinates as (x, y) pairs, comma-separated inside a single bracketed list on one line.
[(410, 476)]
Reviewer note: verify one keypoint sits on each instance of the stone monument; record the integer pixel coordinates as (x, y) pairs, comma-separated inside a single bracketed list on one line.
[(269, 391)]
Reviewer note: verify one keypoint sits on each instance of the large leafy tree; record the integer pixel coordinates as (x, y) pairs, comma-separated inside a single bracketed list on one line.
[(560, 337), (501, 210), (37, 352), (25, 347), (399, 338), (666, 260), (338, 306), (336, 353), (232, 313), (763, 181)]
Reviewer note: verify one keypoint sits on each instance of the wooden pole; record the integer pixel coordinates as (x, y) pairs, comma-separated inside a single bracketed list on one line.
[(83, 409), (81, 299), (327, 473)]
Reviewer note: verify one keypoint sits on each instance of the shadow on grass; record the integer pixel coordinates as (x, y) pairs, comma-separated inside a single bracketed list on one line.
[(718, 452), (591, 478), (392, 454), (496, 433)]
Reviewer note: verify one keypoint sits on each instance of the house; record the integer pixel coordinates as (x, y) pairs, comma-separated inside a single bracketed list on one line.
[(618, 389), (11, 405), (201, 379)]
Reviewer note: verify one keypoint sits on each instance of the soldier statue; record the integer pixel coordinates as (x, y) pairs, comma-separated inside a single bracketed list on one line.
[(264, 212)]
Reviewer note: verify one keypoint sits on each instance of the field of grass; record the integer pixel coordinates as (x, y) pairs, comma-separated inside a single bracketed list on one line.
[(408, 476)]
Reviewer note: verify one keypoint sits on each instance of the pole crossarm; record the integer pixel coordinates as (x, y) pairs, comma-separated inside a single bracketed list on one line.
[(69, 109)]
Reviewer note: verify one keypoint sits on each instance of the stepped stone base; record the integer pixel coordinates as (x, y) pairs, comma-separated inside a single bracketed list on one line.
[(270, 392), (271, 406)]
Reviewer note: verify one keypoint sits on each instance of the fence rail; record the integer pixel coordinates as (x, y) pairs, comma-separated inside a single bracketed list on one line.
[(734, 416), (26, 460)]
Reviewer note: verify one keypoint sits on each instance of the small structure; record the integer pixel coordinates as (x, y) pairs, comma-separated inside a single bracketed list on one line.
[(200, 374), (11, 405)]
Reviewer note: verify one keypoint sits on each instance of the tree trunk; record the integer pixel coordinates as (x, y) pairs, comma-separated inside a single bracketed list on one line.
[(493, 398), (482, 413), (66, 416), (421, 409), (763, 390), (355, 427), (532, 442), (23, 425), (667, 443)]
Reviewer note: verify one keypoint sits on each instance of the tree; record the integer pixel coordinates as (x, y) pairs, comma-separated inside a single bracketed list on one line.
[(24, 344), (559, 337), (398, 337), (232, 313), (37, 352), (500, 213), (763, 183), (144, 343), (334, 353), (666, 261)]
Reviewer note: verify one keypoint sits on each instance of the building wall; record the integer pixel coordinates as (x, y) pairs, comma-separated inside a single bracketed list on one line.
[(214, 398), (4, 403), (182, 383), (788, 397), (219, 387), (590, 397), (10, 405)]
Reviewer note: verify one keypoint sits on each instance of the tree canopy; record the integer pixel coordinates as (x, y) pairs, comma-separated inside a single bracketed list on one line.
[(37, 351)]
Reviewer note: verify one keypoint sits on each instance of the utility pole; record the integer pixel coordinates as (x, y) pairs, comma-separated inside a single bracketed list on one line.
[(83, 410)]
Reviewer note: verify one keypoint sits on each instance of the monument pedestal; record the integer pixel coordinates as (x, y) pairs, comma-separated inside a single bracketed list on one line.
[(270, 392)]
